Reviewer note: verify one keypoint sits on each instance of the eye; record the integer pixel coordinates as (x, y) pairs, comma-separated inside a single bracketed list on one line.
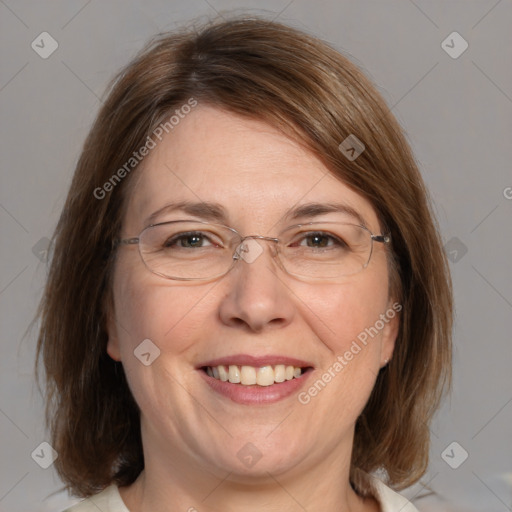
[(189, 240), (320, 240)]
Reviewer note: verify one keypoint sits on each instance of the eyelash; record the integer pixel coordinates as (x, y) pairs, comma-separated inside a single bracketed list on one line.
[(304, 236)]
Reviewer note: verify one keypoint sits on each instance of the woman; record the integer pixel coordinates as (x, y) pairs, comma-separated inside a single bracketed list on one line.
[(248, 305)]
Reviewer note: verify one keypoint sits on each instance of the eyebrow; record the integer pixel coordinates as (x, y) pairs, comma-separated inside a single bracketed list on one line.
[(217, 213), (207, 211), (310, 210)]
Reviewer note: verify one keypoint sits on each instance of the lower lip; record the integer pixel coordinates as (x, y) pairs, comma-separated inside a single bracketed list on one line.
[(253, 395)]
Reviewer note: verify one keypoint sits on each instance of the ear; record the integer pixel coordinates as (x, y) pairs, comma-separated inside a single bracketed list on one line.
[(113, 349), (390, 332)]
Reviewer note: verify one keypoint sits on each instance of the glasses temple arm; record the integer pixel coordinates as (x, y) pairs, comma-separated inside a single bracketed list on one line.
[(385, 239)]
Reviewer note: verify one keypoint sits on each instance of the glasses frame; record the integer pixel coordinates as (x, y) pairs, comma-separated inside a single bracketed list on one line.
[(382, 238)]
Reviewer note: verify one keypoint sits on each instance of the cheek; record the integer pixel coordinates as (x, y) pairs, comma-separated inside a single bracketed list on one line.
[(343, 312), (343, 317), (167, 314)]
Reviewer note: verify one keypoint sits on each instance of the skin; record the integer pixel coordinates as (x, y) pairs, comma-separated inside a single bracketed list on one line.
[(191, 434)]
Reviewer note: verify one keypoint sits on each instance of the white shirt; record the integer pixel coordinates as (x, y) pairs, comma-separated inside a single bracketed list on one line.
[(109, 500)]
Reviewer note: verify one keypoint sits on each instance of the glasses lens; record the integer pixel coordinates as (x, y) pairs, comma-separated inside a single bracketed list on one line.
[(187, 249), (326, 250), (191, 250)]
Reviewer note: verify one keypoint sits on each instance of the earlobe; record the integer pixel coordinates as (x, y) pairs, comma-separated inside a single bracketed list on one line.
[(113, 348), (113, 342), (390, 333)]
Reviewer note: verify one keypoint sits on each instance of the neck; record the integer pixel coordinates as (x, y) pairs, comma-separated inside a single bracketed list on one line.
[(173, 480)]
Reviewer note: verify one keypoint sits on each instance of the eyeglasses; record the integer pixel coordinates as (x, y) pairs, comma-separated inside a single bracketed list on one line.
[(196, 250)]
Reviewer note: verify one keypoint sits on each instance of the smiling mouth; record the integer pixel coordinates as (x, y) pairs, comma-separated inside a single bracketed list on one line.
[(251, 375)]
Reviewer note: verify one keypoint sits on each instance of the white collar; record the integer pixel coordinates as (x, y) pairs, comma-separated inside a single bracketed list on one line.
[(390, 501)]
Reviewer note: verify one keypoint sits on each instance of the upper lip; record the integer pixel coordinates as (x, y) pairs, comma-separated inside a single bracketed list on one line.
[(256, 361)]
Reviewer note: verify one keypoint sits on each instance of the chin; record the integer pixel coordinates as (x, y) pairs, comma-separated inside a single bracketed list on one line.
[(256, 458)]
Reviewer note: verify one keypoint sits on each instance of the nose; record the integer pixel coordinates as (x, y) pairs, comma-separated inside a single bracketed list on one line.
[(257, 297)]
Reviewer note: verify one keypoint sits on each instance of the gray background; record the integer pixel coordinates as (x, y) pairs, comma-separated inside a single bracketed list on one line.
[(458, 116)]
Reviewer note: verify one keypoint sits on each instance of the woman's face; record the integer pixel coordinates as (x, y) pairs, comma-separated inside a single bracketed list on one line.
[(199, 423)]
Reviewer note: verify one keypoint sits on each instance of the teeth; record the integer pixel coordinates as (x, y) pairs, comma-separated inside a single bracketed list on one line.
[(280, 373), (249, 375), (265, 376), (234, 374), (223, 374)]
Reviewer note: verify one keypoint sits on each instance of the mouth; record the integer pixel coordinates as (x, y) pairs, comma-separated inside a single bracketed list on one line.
[(255, 380), (262, 376)]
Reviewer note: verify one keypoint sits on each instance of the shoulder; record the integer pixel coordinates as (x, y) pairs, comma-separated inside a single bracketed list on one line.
[(389, 500), (108, 500)]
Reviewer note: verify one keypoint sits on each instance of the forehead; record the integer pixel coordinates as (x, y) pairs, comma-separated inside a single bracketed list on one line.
[(248, 167)]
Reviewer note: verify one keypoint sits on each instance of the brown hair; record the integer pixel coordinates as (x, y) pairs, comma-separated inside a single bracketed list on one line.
[(267, 71)]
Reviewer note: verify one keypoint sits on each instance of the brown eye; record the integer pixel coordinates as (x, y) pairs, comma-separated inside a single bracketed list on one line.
[(317, 240), (187, 240), (320, 240)]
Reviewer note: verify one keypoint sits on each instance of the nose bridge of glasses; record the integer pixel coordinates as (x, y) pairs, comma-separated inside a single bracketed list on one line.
[(249, 249)]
